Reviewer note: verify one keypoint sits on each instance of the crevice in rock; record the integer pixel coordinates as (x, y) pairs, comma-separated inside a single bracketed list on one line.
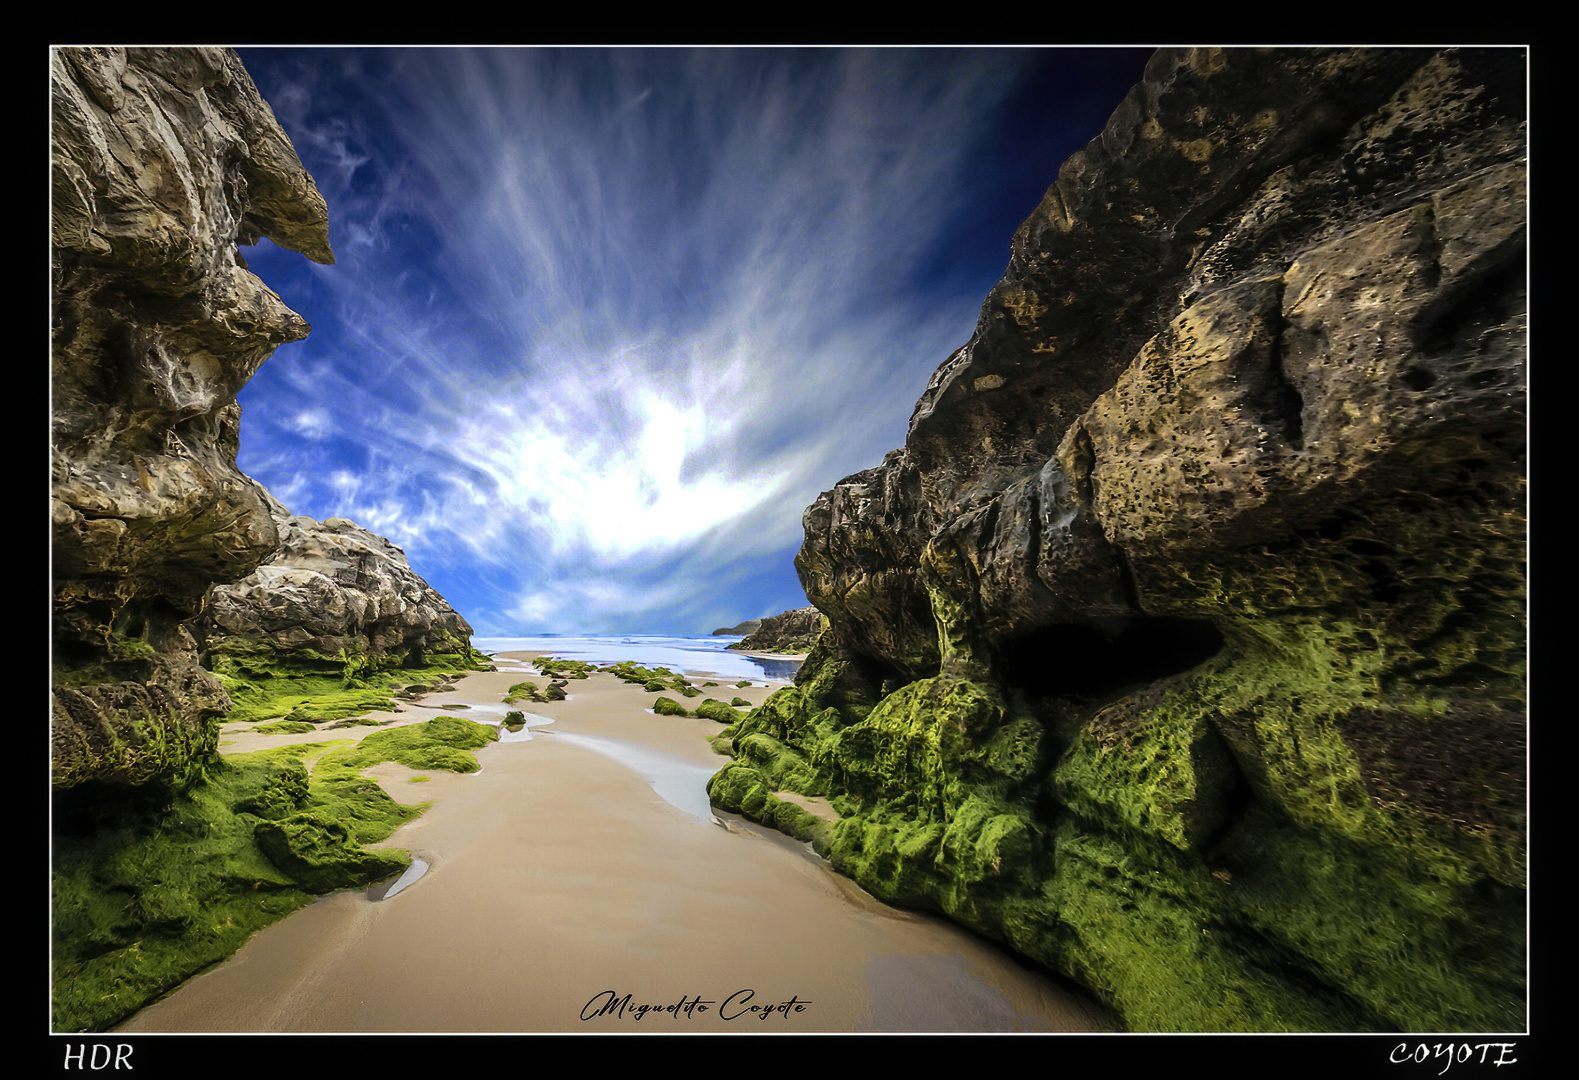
[(1430, 250), (1237, 796), (1127, 580), (1469, 307), (1287, 405), (1106, 656)]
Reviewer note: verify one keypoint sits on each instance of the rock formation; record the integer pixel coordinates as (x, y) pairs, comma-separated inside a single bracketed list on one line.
[(334, 588), (787, 632), (744, 628), (164, 160), (1181, 647)]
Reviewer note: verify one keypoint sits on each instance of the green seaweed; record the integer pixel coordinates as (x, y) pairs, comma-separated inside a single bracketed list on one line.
[(524, 691), (265, 683), (285, 727), (555, 667), (712, 709), (146, 900), (1266, 843)]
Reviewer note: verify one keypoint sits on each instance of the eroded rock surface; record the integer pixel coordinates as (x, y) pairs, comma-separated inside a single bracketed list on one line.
[(164, 160), (333, 588), (743, 628), (787, 632), (1181, 646)]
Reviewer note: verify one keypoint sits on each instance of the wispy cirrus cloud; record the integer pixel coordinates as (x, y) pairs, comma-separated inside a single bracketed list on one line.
[(605, 321)]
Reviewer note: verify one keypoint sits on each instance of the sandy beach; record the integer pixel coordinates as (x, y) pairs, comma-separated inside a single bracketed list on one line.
[(579, 883)]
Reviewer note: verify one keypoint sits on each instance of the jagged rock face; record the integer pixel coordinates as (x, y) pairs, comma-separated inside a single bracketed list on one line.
[(1238, 310), (334, 587), (164, 161), (787, 632), (1181, 646), (746, 627)]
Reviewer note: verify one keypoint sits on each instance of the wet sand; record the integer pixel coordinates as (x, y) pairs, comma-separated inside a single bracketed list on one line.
[(560, 882)]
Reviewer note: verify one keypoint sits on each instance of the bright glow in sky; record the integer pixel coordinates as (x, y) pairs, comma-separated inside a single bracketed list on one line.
[(605, 321)]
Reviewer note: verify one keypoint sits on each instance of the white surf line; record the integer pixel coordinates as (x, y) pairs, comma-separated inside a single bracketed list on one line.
[(678, 782)]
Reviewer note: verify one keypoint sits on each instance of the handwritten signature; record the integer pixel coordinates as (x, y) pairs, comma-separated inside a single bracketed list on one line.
[(734, 1007)]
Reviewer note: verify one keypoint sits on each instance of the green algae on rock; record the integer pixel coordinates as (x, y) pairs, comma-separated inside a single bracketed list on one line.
[(145, 900), (713, 709), (1181, 648), (559, 668), (523, 691), (265, 681)]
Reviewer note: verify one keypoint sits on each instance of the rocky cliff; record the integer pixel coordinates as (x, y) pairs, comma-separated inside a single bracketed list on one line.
[(743, 628), (787, 632), (330, 616), (164, 160), (333, 587), (1181, 647)]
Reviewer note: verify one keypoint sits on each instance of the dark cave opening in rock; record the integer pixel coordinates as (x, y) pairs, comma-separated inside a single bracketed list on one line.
[(1091, 659)]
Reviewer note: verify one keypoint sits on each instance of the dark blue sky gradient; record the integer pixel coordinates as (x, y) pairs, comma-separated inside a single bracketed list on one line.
[(604, 321)]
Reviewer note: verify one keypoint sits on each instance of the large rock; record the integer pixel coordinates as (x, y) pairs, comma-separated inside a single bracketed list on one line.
[(743, 628), (331, 588), (787, 632), (164, 161), (1181, 646)]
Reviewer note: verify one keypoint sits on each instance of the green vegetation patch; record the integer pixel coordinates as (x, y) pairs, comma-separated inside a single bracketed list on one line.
[(653, 680), (524, 691), (713, 709), (1272, 841), (742, 789), (285, 727), (309, 686), (557, 668), (150, 897)]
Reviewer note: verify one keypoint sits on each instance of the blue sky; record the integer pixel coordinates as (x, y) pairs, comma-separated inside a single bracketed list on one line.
[(603, 322)]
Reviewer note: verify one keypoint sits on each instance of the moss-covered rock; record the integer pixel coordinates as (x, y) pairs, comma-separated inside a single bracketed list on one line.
[(524, 691), (302, 684), (713, 709), (149, 897), (286, 727), (321, 855), (559, 668), (1181, 647)]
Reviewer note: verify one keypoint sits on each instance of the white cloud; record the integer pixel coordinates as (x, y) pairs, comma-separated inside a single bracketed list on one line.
[(654, 304)]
